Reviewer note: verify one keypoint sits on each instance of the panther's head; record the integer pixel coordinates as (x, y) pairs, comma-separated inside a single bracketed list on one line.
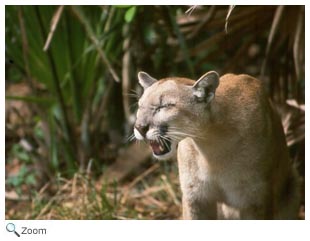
[(169, 109)]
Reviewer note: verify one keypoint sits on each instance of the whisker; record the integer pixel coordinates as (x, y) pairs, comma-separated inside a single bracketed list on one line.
[(131, 137), (159, 140), (134, 91), (192, 129), (179, 133), (131, 95), (175, 138), (133, 104), (169, 138), (166, 145), (183, 132), (187, 135), (164, 137)]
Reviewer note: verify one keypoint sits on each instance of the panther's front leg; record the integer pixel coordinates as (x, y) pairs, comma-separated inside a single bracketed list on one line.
[(197, 199), (193, 210)]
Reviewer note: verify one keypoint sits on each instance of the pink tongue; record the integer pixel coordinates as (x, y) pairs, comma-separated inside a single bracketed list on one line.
[(155, 147)]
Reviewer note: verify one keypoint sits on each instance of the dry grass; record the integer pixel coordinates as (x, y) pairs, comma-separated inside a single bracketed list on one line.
[(150, 195)]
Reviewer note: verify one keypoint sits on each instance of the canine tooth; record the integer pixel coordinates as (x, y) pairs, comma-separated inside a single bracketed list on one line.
[(161, 148)]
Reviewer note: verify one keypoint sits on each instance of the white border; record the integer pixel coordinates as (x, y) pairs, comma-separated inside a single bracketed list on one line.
[(163, 230), (2, 116), (155, 230), (150, 2)]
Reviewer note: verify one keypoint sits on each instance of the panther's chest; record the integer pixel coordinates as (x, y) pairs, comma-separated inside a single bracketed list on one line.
[(197, 179), (215, 180)]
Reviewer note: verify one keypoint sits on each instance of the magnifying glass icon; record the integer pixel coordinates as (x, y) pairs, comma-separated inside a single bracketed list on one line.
[(10, 227)]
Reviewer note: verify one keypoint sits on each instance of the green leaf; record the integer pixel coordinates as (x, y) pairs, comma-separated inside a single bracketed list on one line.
[(20, 153), (30, 179), (38, 132), (130, 14)]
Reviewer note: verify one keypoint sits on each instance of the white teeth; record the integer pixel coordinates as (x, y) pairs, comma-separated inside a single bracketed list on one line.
[(161, 148)]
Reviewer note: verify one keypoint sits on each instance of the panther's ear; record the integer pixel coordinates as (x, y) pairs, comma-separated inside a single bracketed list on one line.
[(145, 80), (205, 86)]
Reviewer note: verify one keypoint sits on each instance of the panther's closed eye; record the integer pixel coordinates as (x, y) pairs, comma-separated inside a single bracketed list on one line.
[(164, 106)]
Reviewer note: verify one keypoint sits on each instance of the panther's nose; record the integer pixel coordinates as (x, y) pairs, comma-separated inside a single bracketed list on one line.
[(142, 129)]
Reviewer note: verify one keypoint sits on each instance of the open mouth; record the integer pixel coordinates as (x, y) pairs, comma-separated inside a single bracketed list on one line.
[(161, 147)]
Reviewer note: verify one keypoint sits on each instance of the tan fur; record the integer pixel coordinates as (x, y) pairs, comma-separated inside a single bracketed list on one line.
[(234, 163)]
